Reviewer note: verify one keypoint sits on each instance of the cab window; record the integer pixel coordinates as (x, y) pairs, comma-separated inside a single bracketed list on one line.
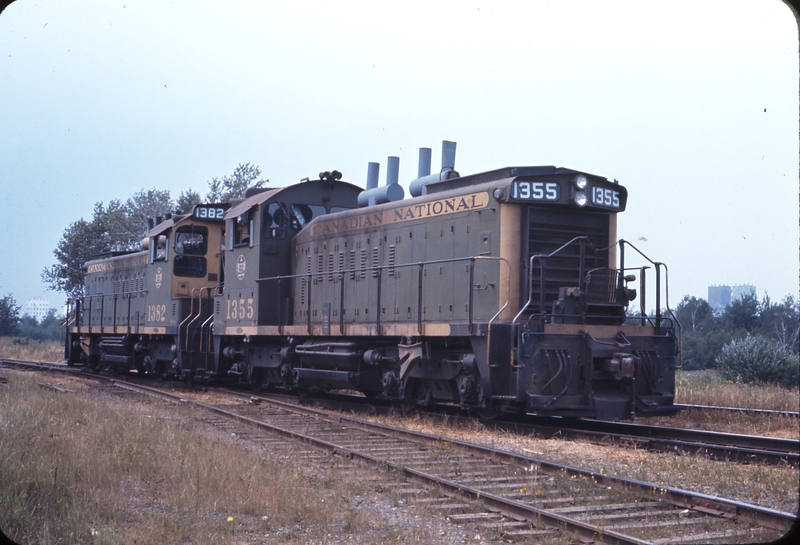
[(243, 230), (301, 214), (274, 220), (191, 243), (280, 217), (191, 240)]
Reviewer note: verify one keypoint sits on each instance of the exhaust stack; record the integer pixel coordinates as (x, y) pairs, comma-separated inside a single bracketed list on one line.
[(424, 177), (390, 192)]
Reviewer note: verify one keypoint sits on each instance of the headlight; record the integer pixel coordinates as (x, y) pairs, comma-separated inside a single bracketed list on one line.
[(580, 198), (580, 182)]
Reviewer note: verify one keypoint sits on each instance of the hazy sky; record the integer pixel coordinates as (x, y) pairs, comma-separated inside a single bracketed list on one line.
[(693, 106)]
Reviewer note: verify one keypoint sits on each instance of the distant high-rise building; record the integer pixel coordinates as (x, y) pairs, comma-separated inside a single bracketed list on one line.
[(720, 297), (737, 292), (38, 307)]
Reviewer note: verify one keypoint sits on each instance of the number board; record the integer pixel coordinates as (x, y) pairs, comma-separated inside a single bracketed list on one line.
[(526, 190), (605, 197), (209, 212)]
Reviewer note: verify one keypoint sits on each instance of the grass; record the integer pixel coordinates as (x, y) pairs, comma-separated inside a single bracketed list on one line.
[(76, 469), (710, 388), (17, 348)]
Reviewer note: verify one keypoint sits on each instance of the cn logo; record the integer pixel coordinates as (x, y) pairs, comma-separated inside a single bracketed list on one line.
[(241, 265)]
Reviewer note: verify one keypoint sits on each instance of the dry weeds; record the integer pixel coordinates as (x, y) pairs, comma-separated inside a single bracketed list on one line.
[(78, 470), (84, 467), (75, 469), (710, 388), (26, 349)]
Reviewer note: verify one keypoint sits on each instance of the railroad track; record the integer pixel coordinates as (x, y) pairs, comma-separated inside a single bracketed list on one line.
[(722, 446), (512, 496), (717, 445), (738, 410)]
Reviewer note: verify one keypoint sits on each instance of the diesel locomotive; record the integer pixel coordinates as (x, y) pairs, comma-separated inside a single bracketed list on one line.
[(505, 291)]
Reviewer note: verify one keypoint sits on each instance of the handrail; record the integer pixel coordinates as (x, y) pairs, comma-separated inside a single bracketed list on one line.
[(198, 316), (530, 277), (341, 277), (202, 327), (200, 312), (657, 266), (188, 317), (62, 331), (210, 316), (497, 315), (79, 303)]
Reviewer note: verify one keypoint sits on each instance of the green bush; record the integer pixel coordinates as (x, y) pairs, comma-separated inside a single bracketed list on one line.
[(758, 359)]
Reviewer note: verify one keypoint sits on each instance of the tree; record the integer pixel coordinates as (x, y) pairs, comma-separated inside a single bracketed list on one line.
[(186, 201), (80, 241), (48, 329), (142, 205), (694, 314), (117, 227), (702, 336), (742, 313), (758, 359), (9, 316), (232, 187), (113, 228), (781, 321)]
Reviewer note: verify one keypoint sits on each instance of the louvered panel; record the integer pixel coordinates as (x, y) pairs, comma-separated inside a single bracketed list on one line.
[(549, 229)]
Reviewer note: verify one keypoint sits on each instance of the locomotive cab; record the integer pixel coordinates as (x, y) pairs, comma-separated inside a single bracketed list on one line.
[(258, 302)]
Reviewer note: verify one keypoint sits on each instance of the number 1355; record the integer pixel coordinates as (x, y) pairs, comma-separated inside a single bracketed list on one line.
[(605, 197), (239, 309)]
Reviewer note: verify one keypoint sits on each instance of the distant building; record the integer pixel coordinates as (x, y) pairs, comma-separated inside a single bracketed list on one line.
[(737, 292), (38, 307), (719, 297)]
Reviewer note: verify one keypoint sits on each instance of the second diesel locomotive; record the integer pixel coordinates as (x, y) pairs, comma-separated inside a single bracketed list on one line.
[(499, 291)]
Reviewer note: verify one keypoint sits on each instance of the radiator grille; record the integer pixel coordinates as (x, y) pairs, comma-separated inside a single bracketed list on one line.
[(549, 229)]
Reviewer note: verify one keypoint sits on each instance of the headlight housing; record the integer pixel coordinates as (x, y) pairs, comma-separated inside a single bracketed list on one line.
[(580, 198), (580, 181)]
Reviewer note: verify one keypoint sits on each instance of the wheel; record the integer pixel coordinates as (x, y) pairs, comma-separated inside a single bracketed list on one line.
[(372, 395), (94, 364), (408, 406), (258, 381)]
